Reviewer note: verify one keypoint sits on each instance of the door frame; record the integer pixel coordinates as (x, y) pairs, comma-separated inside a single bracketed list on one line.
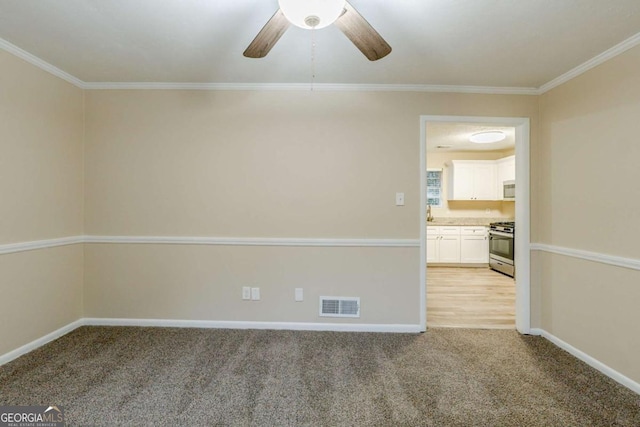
[(523, 212)]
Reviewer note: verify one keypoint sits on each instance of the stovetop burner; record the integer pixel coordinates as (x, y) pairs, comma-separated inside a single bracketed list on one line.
[(504, 227), (511, 224)]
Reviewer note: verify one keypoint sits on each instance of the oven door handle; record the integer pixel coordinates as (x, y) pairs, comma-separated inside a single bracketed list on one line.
[(499, 233)]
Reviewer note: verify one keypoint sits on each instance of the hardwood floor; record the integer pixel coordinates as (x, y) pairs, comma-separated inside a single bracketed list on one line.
[(470, 298)]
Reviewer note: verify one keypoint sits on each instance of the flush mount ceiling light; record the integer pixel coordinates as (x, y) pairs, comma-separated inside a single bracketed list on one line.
[(312, 13), (487, 137)]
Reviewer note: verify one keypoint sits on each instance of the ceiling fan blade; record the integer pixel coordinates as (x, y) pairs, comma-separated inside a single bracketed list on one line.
[(268, 36), (362, 34)]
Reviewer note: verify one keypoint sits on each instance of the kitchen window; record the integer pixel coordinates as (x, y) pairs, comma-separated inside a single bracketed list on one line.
[(434, 187)]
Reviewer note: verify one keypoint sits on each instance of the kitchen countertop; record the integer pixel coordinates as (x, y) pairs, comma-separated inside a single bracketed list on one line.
[(466, 221)]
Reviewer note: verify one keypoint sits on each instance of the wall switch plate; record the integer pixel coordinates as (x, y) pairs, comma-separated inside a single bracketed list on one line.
[(246, 293), (399, 199), (255, 294), (299, 295)]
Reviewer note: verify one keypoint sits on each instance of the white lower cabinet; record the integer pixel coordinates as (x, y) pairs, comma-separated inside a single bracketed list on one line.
[(433, 247), (449, 249), (474, 245), (454, 245), (443, 244)]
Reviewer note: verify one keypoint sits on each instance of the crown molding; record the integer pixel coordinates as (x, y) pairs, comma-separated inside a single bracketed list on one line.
[(325, 87), (319, 87), (307, 87), (43, 65), (592, 63)]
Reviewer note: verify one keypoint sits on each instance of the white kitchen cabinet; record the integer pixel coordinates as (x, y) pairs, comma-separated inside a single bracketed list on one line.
[(457, 244), (474, 245), (433, 238), (472, 180), (449, 249), (443, 244), (432, 249), (506, 170)]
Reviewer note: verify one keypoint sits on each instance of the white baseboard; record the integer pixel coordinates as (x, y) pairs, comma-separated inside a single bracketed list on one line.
[(8, 357), (293, 326), (210, 324), (594, 363), (223, 324)]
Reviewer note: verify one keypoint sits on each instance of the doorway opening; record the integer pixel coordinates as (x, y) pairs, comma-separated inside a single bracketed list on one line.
[(445, 138)]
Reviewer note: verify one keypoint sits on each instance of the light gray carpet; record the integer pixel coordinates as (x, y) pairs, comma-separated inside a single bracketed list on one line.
[(197, 377)]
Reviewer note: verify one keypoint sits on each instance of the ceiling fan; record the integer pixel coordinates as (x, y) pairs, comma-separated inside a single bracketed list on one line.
[(316, 14)]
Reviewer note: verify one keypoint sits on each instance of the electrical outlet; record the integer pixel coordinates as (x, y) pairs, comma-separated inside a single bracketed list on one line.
[(255, 294), (399, 199), (299, 295), (246, 293)]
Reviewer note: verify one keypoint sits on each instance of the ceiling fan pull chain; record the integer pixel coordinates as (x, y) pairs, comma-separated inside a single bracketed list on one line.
[(313, 57)]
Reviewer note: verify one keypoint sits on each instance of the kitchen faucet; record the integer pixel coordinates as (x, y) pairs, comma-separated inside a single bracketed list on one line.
[(429, 216)]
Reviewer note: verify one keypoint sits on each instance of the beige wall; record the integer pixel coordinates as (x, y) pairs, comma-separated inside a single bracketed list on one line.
[(42, 198), (41, 161), (259, 164), (262, 164), (593, 307), (467, 209), (589, 199), (41, 292), (205, 282), (296, 164), (191, 163)]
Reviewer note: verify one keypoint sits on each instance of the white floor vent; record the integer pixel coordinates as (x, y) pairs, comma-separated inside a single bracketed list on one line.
[(339, 306)]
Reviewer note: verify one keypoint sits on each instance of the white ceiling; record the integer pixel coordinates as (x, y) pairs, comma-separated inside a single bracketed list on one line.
[(492, 43), (450, 136)]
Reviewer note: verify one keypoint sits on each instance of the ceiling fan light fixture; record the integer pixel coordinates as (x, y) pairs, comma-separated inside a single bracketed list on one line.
[(487, 137), (310, 14)]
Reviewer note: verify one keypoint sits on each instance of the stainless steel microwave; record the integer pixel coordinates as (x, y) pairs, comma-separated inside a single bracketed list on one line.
[(509, 190)]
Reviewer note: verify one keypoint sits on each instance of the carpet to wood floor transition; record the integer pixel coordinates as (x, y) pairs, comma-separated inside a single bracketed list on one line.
[(199, 377)]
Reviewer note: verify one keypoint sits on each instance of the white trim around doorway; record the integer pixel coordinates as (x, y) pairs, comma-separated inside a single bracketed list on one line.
[(522, 237)]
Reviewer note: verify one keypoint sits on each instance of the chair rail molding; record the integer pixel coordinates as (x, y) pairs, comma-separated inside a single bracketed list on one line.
[(212, 241), (10, 248), (617, 261)]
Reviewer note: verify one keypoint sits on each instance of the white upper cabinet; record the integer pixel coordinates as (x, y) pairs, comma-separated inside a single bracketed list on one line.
[(461, 183), (506, 172), (473, 180)]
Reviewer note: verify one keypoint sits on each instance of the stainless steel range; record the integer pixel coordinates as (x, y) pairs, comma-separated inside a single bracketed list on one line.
[(501, 247)]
